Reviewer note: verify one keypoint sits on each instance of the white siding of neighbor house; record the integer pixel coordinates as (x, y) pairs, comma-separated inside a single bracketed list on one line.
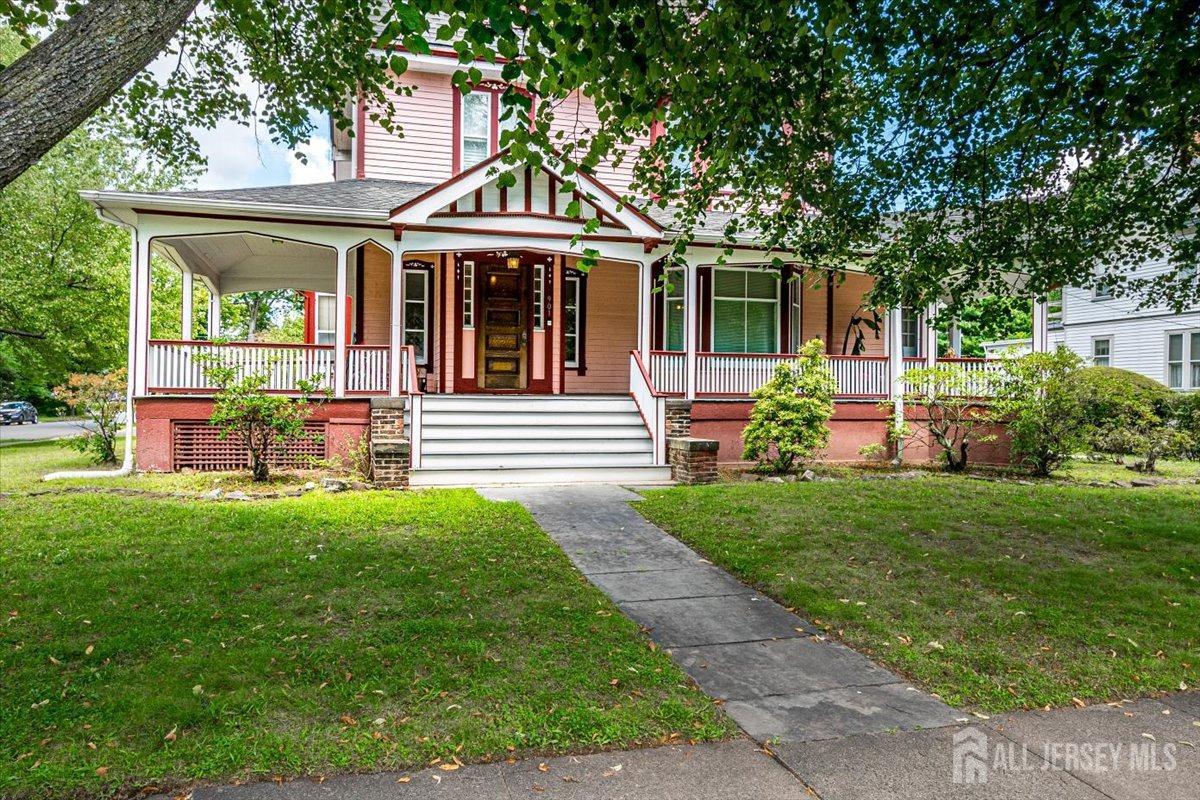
[(1138, 335)]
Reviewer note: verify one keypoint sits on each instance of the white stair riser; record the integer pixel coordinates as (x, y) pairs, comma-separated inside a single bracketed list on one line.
[(473, 446), (514, 405), (565, 433), (468, 477), (536, 460), (531, 418)]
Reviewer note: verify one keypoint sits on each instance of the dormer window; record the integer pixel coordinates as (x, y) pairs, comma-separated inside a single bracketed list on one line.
[(479, 125)]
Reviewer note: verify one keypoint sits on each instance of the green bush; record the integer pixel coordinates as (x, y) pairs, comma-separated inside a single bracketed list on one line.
[(1038, 400), (1186, 410), (1121, 409), (790, 418), (954, 411)]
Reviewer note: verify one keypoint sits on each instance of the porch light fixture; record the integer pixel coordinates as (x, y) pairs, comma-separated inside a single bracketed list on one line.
[(513, 262)]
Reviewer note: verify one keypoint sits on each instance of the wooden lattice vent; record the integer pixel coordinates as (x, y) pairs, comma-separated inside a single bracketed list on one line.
[(195, 444)]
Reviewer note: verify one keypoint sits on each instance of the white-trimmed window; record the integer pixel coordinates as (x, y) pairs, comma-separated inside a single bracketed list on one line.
[(572, 327), (1103, 290), (910, 332), (325, 325), (1102, 351), (1183, 360), (416, 312), (674, 310), (745, 311), (795, 289), (476, 127), (468, 294), (539, 297)]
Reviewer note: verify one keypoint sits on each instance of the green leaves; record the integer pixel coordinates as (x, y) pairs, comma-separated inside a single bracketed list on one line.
[(789, 420)]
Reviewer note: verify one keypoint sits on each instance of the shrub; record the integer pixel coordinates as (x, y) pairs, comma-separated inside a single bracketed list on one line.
[(260, 421), (954, 414), (1037, 398), (791, 411), (1186, 410), (100, 400), (1121, 409)]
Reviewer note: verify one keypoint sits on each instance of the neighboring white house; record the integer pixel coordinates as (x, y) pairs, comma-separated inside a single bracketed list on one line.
[(1112, 331)]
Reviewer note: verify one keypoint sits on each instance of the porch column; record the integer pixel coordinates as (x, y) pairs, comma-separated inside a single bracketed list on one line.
[(214, 314), (141, 315), (396, 339), (895, 345), (185, 326), (691, 308), (929, 334), (645, 309), (340, 326), (956, 339), (1041, 325)]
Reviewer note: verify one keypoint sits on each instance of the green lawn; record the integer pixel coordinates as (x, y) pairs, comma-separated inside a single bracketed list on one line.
[(1081, 470), (995, 595), (149, 641)]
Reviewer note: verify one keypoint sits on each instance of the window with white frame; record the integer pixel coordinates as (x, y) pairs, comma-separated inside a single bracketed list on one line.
[(482, 125), (674, 308), (1183, 360), (910, 332), (468, 294), (1102, 352), (745, 311), (416, 312), (539, 295), (1103, 290), (572, 320), (325, 325), (795, 287)]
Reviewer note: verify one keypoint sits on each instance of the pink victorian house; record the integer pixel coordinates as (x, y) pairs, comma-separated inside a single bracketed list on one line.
[(451, 322)]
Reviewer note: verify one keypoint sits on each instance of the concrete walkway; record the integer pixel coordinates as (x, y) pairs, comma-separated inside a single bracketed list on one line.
[(778, 680)]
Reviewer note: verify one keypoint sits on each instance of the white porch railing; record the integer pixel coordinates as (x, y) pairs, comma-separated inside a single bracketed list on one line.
[(668, 371), (861, 376), (368, 369), (651, 403), (178, 366), (980, 373)]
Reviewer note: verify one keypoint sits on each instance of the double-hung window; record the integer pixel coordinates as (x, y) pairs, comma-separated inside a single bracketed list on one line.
[(416, 312), (479, 137), (1102, 352), (745, 315), (1183, 360), (572, 311), (674, 309), (795, 290), (325, 324), (910, 332)]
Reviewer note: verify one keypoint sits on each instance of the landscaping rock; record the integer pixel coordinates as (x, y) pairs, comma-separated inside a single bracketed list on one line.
[(334, 485), (808, 476), (1143, 482), (237, 496), (215, 494), (749, 476), (773, 479), (791, 477), (308, 487)]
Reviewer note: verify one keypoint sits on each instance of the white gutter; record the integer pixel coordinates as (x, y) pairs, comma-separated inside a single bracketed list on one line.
[(153, 201), (127, 462)]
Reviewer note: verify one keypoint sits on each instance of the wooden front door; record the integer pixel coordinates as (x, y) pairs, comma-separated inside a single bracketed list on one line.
[(503, 361)]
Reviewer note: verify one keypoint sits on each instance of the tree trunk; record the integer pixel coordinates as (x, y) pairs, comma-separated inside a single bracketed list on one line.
[(57, 85)]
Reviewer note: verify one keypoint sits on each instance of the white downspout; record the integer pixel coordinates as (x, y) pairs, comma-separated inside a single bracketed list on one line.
[(127, 462)]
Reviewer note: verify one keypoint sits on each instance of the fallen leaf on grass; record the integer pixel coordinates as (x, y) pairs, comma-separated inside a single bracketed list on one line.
[(1078, 703), (170, 737), (101, 771)]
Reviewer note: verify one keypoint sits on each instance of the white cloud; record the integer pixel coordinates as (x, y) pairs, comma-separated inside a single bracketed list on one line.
[(319, 168)]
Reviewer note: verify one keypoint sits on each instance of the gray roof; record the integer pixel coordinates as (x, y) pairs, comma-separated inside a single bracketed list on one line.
[(713, 223), (367, 194)]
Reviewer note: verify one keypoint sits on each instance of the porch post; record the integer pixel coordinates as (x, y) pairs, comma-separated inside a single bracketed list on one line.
[(956, 339), (142, 317), (185, 326), (1041, 325), (691, 309), (340, 326), (214, 313), (895, 346), (929, 332), (396, 340), (645, 309)]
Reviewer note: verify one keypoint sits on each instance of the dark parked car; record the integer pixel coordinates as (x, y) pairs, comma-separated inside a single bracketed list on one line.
[(16, 413)]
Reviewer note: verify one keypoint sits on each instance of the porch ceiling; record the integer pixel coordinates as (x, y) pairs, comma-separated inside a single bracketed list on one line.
[(245, 262)]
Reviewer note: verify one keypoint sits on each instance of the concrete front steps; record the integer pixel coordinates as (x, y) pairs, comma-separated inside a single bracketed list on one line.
[(521, 439)]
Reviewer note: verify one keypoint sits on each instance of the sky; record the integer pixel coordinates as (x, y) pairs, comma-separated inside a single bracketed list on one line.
[(237, 157)]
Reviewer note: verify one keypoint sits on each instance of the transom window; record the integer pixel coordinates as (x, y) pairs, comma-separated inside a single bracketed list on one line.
[(416, 312), (1183, 360), (745, 311), (1102, 352)]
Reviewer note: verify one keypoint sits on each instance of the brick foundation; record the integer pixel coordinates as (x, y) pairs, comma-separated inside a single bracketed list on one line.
[(391, 452), (693, 460), (679, 418)]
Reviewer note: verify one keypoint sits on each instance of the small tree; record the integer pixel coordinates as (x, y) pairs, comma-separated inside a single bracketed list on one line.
[(1038, 399), (100, 400), (791, 411), (244, 411), (955, 411)]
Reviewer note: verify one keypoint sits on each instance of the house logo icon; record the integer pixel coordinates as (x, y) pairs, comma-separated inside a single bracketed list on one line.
[(970, 756)]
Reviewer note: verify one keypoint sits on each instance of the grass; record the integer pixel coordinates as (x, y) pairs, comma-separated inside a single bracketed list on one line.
[(153, 642), (1082, 470), (996, 596)]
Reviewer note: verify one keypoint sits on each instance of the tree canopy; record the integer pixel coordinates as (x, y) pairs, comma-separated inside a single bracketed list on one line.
[(957, 141)]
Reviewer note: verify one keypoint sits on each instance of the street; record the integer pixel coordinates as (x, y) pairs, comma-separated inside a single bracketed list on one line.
[(52, 429)]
